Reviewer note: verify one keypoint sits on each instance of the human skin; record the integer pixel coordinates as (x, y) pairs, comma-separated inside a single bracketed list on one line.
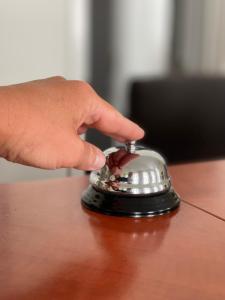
[(41, 122)]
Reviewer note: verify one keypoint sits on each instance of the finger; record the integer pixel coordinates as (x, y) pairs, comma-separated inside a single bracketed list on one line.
[(88, 156), (112, 123)]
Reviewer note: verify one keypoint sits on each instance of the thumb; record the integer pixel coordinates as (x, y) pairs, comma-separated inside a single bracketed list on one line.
[(89, 157)]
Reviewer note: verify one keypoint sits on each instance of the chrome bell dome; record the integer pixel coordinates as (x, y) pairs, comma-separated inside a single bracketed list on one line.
[(134, 182), (132, 170)]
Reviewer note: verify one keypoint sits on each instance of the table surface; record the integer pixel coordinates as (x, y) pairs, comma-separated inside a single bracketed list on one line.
[(52, 248), (203, 185)]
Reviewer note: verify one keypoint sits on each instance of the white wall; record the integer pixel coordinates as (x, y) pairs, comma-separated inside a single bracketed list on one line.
[(32, 39), (38, 39), (141, 40), (77, 39)]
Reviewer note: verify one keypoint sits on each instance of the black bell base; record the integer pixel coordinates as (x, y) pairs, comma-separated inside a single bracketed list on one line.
[(132, 205)]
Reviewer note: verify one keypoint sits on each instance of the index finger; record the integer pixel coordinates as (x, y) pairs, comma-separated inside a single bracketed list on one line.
[(113, 123)]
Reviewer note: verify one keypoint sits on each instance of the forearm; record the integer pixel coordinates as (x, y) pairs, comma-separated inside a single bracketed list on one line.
[(5, 123)]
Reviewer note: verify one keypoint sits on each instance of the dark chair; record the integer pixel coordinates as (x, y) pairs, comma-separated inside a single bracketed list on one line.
[(184, 117)]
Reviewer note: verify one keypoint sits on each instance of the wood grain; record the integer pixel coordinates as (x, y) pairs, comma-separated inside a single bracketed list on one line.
[(202, 185), (52, 248)]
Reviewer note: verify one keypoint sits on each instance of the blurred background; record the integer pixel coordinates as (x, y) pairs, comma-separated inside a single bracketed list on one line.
[(160, 62)]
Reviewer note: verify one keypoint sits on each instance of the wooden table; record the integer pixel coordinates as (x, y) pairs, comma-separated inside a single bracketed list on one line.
[(52, 248)]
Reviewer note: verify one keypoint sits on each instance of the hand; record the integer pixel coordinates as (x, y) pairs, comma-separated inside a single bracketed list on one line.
[(40, 124)]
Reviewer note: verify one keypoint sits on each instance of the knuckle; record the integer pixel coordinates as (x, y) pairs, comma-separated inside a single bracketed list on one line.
[(82, 83), (53, 79), (61, 77), (84, 86), (58, 77), (85, 92)]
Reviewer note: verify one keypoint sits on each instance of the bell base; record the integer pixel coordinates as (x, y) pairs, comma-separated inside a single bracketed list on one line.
[(132, 205)]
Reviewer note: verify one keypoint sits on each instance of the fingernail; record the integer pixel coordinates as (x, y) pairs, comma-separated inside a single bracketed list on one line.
[(99, 162)]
